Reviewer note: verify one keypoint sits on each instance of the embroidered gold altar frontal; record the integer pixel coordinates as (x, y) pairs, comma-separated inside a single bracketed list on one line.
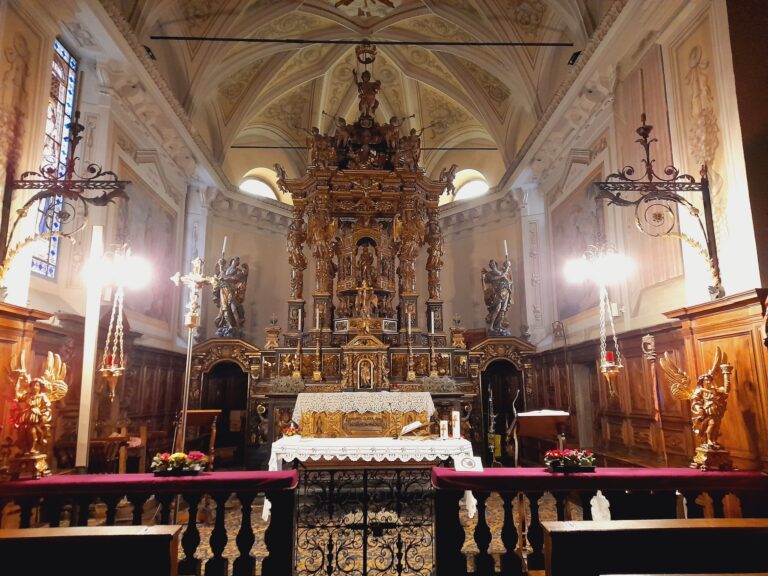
[(337, 424)]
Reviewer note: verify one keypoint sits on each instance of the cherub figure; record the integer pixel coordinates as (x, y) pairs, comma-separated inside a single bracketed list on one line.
[(708, 400), (367, 91)]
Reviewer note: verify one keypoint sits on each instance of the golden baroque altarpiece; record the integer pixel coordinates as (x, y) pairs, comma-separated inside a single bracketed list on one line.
[(363, 211)]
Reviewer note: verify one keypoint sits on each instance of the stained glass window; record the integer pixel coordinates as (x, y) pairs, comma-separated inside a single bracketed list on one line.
[(61, 101)]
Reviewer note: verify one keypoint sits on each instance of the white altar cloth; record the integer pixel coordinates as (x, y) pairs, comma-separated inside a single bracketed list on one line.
[(289, 448), (363, 402)]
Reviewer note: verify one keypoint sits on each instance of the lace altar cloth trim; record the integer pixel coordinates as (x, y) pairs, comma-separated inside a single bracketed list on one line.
[(363, 402), (368, 449)]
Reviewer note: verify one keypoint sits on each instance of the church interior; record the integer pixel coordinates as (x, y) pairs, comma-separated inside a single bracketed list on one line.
[(373, 287)]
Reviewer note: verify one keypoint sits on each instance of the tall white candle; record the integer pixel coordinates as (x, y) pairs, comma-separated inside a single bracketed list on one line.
[(317, 318), (432, 321), (409, 323), (300, 316), (224, 247), (506, 254)]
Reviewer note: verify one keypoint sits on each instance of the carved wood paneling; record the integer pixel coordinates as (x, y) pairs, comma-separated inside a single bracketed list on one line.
[(623, 423), (735, 324)]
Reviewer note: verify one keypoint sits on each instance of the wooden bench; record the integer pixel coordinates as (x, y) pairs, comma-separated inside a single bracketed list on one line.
[(92, 550), (701, 546)]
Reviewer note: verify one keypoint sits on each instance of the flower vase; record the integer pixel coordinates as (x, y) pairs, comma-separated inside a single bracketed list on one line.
[(176, 472), (563, 469)]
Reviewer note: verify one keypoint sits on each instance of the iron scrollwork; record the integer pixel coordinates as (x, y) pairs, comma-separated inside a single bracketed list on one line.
[(654, 215), (365, 522), (65, 190)]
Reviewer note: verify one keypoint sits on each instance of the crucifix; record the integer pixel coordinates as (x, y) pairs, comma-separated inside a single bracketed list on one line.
[(194, 280)]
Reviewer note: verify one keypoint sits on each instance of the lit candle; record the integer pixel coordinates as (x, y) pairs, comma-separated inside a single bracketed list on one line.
[(432, 321), (609, 356), (506, 254), (224, 247)]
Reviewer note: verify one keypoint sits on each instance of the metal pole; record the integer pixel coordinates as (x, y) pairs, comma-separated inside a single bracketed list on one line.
[(181, 438)]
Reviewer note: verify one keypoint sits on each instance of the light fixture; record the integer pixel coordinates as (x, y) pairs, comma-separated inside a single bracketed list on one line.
[(604, 266), (120, 269)]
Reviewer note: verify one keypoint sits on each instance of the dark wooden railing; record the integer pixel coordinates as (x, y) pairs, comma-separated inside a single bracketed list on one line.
[(511, 503), (69, 500)]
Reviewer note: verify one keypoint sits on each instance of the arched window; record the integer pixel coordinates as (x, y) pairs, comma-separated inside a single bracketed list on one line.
[(61, 100), (470, 184), (257, 187)]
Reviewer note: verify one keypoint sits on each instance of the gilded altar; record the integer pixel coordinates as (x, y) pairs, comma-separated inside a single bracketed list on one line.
[(360, 414)]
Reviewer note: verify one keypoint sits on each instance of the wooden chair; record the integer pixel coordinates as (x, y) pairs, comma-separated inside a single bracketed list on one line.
[(205, 419)]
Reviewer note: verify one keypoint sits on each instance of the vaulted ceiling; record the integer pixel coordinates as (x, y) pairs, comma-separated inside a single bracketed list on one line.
[(271, 94)]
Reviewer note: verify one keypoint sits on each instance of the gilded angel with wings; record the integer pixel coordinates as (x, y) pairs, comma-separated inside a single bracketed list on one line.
[(708, 400)]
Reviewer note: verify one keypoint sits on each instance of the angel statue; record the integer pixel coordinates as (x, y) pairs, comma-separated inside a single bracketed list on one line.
[(228, 295), (498, 291), (32, 414), (708, 402)]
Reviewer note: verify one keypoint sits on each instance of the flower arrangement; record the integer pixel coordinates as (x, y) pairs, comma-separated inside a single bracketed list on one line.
[(179, 463), (291, 429), (569, 458)]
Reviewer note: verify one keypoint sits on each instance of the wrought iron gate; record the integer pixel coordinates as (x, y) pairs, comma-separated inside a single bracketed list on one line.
[(364, 522)]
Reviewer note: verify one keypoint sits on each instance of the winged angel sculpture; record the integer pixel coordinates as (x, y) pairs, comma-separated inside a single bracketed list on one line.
[(708, 404), (32, 413)]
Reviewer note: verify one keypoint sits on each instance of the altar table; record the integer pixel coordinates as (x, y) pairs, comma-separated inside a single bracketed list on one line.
[(360, 414), (289, 448)]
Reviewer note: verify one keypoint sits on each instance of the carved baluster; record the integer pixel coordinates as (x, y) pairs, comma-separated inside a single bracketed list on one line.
[(191, 539), (26, 506), (111, 502), (449, 534), (511, 562), (52, 507), (535, 533), (279, 536), (244, 564), (218, 565), (83, 509), (483, 561), (137, 500), (165, 507)]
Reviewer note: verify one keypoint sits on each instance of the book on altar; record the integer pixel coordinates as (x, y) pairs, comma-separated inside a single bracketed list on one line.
[(411, 427)]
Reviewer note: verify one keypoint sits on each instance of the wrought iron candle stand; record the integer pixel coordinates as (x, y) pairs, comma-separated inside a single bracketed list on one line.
[(653, 216)]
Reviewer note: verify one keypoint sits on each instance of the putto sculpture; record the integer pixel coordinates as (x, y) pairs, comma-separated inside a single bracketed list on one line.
[(708, 402), (32, 413), (229, 286), (498, 290)]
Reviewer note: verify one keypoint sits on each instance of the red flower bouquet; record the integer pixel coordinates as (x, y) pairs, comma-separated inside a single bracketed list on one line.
[(178, 463), (570, 460)]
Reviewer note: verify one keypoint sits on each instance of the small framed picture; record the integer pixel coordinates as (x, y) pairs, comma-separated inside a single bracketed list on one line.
[(468, 464)]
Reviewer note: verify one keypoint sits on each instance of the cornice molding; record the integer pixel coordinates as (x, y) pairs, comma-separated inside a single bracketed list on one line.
[(584, 58)]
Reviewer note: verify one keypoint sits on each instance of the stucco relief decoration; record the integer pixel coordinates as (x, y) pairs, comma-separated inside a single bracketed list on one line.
[(232, 91), (16, 58), (704, 132), (365, 8), (528, 15)]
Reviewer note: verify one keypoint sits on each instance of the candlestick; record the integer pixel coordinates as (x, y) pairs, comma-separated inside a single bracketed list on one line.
[(224, 247), (506, 254)]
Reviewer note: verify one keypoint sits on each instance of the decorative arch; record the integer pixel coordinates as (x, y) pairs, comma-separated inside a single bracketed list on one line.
[(215, 351), (510, 348)]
